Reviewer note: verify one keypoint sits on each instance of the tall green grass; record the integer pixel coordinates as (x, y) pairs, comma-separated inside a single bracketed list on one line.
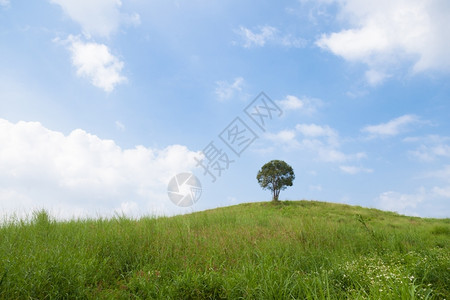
[(290, 250)]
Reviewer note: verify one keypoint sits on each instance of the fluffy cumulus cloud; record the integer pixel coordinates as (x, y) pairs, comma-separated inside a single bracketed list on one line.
[(96, 62), (265, 35), (99, 17), (226, 90), (81, 174), (393, 127), (387, 33), (305, 104)]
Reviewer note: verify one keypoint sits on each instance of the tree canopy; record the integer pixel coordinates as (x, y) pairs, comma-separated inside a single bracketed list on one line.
[(276, 175)]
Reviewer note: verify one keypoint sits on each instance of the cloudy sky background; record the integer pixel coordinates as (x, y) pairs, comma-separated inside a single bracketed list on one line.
[(102, 102)]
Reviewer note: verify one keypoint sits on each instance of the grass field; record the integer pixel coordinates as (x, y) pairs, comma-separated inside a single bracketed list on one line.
[(290, 250)]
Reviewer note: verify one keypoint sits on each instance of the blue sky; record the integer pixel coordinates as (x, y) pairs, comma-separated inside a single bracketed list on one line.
[(103, 102)]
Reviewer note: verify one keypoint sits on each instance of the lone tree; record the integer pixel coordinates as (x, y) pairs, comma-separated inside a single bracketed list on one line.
[(276, 175)]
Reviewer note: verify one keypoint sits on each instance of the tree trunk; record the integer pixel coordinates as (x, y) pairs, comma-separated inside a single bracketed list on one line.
[(275, 195)]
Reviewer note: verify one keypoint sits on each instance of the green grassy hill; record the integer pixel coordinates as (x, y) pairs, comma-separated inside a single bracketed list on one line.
[(290, 250)]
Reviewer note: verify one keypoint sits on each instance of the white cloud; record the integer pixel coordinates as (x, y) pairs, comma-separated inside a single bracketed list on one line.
[(432, 147), (441, 191), (81, 174), (325, 142), (393, 127), (257, 39), (425, 202), (226, 90), (133, 19), (307, 105), (328, 154), (383, 34), (4, 2), (313, 130), (322, 141), (374, 77), (95, 62), (354, 170), (317, 131), (99, 17), (430, 153), (400, 203), (443, 174), (285, 137), (432, 138), (268, 35)]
